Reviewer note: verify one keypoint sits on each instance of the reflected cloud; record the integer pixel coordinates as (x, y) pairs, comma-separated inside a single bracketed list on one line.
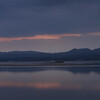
[(73, 87), (10, 84), (41, 85), (96, 87), (31, 85), (44, 85)]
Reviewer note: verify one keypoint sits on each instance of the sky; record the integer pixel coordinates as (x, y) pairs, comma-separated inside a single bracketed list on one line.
[(49, 25)]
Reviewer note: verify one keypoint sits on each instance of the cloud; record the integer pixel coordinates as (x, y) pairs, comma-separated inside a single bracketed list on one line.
[(36, 37), (20, 18), (45, 2), (35, 22), (94, 34)]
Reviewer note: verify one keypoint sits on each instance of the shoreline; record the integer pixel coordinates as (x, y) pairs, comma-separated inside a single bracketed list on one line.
[(46, 65), (50, 64)]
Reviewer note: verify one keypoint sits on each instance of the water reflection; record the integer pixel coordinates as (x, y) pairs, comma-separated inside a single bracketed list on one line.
[(41, 85), (50, 83), (37, 69)]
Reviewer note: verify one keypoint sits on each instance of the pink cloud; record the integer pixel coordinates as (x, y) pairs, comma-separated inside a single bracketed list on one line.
[(36, 37), (94, 34)]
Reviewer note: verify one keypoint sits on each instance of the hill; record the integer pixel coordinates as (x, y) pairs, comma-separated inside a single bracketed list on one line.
[(84, 54)]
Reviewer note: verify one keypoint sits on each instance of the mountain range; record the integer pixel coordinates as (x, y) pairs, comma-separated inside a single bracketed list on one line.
[(83, 54)]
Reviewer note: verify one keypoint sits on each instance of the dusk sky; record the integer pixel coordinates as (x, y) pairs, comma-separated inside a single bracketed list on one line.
[(49, 25)]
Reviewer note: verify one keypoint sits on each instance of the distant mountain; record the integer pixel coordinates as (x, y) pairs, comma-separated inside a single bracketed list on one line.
[(84, 54)]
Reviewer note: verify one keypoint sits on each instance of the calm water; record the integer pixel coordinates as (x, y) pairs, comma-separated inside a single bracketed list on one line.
[(50, 84)]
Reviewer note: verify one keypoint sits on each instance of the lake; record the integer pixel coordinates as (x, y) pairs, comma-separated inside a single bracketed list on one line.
[(50, 83)]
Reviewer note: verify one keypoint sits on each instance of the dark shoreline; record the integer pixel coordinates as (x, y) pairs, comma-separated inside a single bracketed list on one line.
[(51, 64), (48, 65)]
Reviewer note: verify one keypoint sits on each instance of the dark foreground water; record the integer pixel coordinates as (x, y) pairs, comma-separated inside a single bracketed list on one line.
[(49, 83)]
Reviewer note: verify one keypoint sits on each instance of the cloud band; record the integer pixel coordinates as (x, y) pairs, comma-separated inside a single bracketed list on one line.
[(38, 37)]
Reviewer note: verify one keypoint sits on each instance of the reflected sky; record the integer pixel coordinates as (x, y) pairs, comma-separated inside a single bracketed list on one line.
[(50, 84)]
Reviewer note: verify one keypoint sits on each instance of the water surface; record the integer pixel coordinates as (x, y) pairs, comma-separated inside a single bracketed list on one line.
[(50, 83)]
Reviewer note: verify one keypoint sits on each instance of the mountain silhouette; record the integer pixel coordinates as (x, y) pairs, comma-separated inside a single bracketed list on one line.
[(84, 54)]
